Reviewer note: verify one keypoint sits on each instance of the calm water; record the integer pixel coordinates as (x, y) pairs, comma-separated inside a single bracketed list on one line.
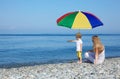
[(49, 48)]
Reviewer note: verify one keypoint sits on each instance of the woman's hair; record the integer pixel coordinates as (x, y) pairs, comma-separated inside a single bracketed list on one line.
[(78, 35), (97, 43)]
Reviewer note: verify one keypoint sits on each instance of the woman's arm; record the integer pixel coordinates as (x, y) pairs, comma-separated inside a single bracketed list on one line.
[(96, 55)]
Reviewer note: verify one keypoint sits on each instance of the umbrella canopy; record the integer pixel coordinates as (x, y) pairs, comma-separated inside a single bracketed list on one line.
[(79, 20)]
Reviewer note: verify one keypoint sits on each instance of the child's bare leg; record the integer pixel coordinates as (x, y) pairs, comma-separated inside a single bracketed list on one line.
[(79, 60)]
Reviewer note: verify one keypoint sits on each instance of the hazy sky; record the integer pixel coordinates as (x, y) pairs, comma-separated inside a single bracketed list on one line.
[(39, 16)]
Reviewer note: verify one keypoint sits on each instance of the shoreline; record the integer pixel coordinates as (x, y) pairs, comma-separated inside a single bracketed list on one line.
[(18, 65), (72, 70)]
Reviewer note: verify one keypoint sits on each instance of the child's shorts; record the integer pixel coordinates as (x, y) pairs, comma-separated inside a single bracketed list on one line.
[(79, 54)]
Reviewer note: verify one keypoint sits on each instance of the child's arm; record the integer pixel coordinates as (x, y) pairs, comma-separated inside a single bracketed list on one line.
[(70, 41), (81, 47)]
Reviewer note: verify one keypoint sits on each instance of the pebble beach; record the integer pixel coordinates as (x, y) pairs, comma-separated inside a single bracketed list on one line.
[(110, 69)]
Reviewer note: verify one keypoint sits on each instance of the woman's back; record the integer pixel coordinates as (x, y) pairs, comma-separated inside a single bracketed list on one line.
[(100, 48), (97, 44)]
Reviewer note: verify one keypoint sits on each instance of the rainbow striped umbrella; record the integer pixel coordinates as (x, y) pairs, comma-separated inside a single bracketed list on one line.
[(79, 20)]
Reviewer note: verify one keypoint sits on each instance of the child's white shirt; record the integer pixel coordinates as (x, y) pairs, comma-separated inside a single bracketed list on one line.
[(78, 42)]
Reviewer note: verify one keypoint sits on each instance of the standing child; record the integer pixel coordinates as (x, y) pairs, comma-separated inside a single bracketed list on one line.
[(78, 46)]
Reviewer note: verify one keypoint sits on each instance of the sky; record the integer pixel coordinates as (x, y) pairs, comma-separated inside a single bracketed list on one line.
[(39, 16)]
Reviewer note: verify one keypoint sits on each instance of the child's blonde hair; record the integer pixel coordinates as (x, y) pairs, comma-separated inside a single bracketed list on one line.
[(78, 35)]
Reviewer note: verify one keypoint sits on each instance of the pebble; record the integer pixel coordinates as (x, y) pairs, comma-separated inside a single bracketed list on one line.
[(110, 69)]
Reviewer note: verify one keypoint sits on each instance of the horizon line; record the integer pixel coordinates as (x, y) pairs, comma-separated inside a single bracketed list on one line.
[(51, 34)]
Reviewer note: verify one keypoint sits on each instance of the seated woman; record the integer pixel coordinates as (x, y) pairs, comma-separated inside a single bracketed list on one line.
[(97, 55)]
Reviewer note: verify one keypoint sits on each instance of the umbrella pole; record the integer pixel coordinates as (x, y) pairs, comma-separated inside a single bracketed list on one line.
[(78, 30)]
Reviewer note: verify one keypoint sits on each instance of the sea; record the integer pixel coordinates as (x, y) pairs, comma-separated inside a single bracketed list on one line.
[(50, 48)]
